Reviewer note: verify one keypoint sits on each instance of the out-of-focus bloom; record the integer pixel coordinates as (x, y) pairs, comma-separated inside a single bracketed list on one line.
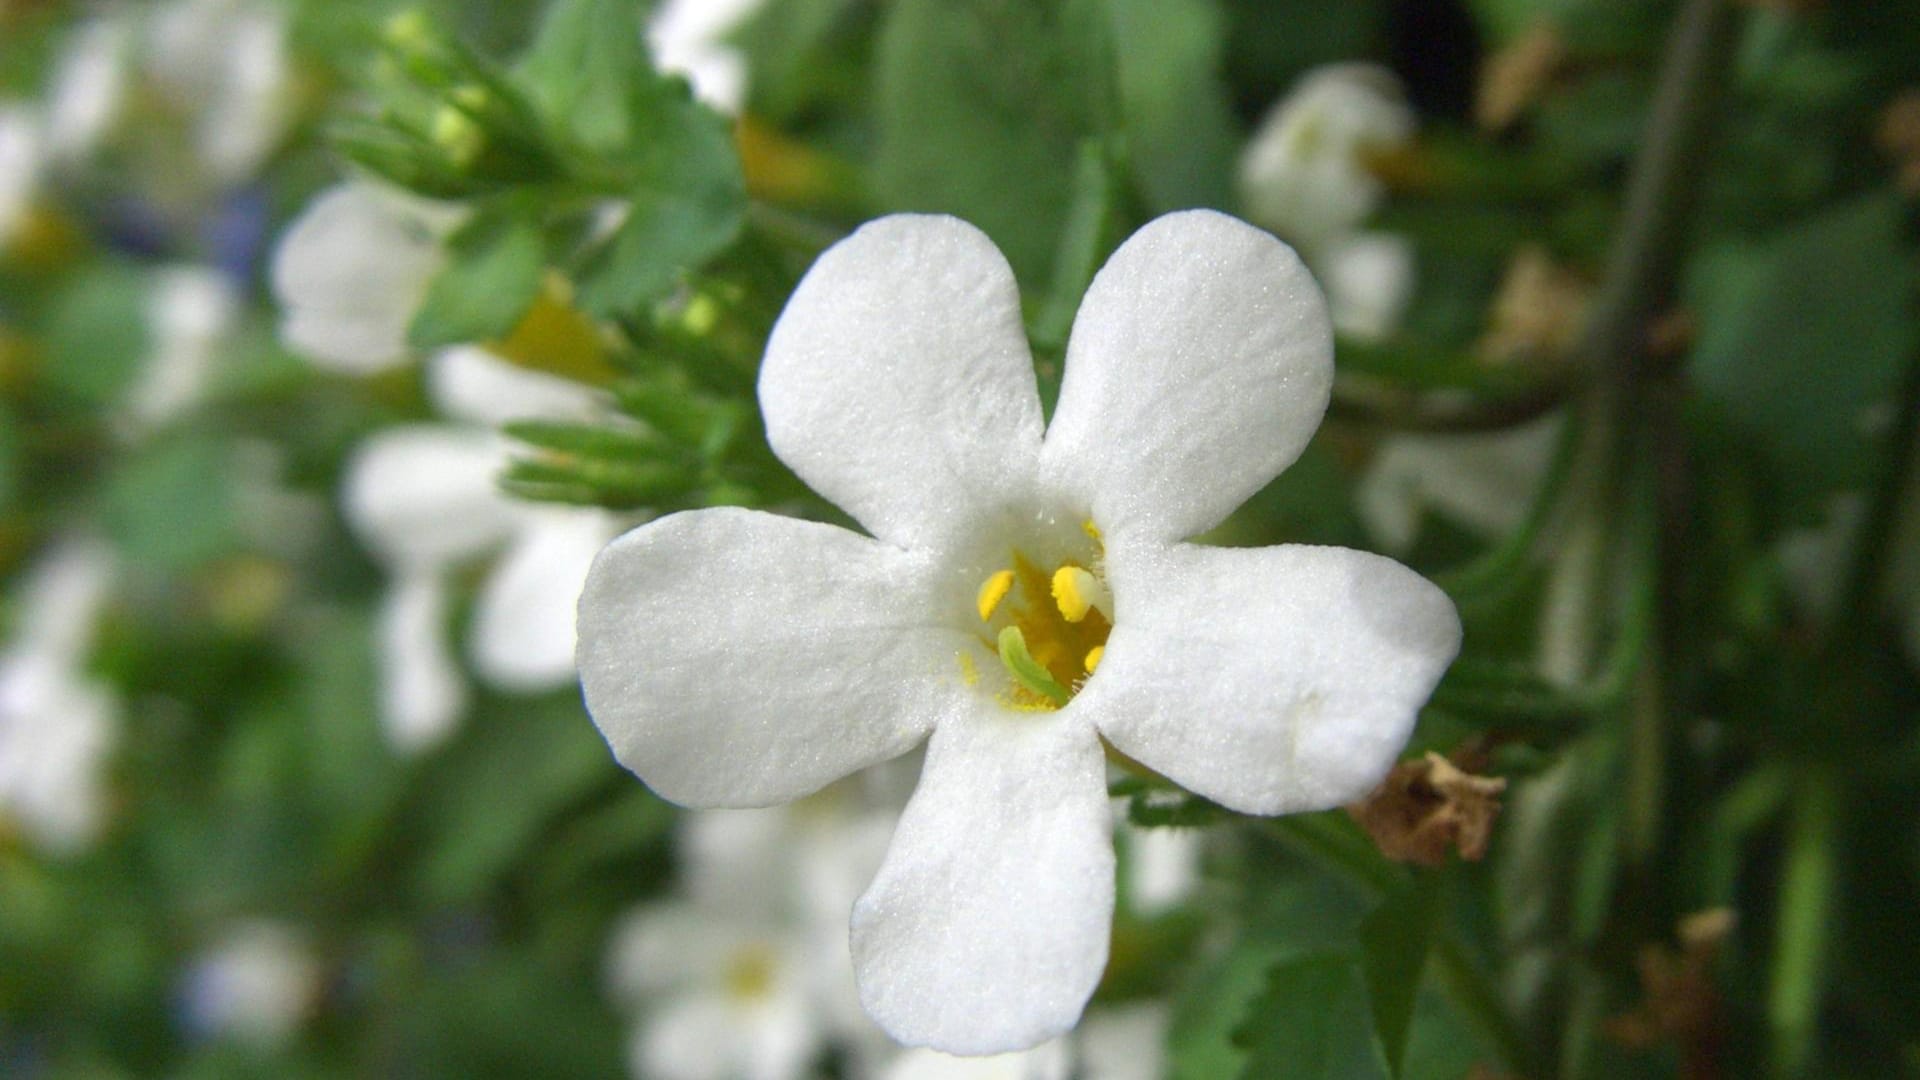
[(1483, 481), (352, 271), (22, 156), (744, 977), (191, 312), (56, 722), (688, 37), (225, 62), (89, 88), (1307, 175), (1162, 866), (424, 498), (1027, 593), (257, 984), (1125, 1042)]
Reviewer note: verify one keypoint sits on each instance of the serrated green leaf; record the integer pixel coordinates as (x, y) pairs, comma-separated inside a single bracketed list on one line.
[(1312, 1022), (1394, 941), (588, 70), (491, 278)]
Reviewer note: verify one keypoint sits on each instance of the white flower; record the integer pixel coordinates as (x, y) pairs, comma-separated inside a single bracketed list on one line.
[(1162, 865), (424, 498), (226, 61), (743, 977), (688, 37), (735, 658), (22, 156), (1369, 279), (352, 271), (1124, 1042), (256, 985), (56, 722), (191, 312), (1484, 481), (1304, 174)]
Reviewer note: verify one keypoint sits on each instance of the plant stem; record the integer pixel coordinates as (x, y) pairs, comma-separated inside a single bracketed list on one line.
[(1873, 548), (1800, 935)]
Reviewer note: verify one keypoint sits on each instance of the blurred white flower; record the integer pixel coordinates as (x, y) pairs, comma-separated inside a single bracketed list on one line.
[(688, 37), (22, 156), (1306, 176), (1162, 865), (89, 88), (191, 312), (1483, 481), (257, 984), (57, 723), (225, 62), (1025, 596), (1125, 1042), (1048, 1061), (749, 975), (351, 272), (424, 498)]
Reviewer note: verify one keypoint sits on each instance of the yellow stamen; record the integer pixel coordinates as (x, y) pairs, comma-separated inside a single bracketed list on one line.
[(1075, 591), (1093, 657), (992, 591)]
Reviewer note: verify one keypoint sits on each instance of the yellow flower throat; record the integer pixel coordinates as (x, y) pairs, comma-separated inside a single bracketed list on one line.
[(1049, 628)]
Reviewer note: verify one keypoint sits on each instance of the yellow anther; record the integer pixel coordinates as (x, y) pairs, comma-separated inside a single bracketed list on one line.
[(1075, 591), (1092, 531), (992, 591), (1093, 657)]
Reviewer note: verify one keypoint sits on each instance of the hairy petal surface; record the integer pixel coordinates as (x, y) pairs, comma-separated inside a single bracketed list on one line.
[(1270, 680), (986, 928), (1199, 366), (737, 658), (898, 382)]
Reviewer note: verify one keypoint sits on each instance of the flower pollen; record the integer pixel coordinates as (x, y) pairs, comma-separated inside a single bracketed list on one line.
[(1049, 628)]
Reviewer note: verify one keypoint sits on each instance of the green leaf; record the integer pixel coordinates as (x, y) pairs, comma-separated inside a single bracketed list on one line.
[(491, 279), (980, 109), (588, 69), (1312, 1023), (670, 157), (98, 335), (1803, 338), (1174, 109), (171, 507), (1394, 941)]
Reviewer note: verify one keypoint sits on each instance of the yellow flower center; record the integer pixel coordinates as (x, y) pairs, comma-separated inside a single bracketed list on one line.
[(750, 971), (1048, 627)]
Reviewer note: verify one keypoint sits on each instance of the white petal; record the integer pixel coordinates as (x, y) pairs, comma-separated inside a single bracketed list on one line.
[(353, 269), (667, 946), (1484, 481), (22, 156), (1304, 173), (1162, 867), (523, 620), (986, 929), (62, 599), (898, 382), (1268, 679), (1199, 366), (191, 311), (1048, 1061), (471, 384), (422, 693), (423, 495), (780, 1037), (693, 1038), (56, 728), (89, 86), (1125, 1042), (1370, 279), (735, 658)]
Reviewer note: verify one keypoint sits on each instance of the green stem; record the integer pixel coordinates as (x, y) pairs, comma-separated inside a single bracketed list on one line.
[(1873, 547), (1800, 935)]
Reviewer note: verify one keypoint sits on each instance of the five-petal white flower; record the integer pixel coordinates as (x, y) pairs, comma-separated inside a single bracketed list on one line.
[(736, 658)]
